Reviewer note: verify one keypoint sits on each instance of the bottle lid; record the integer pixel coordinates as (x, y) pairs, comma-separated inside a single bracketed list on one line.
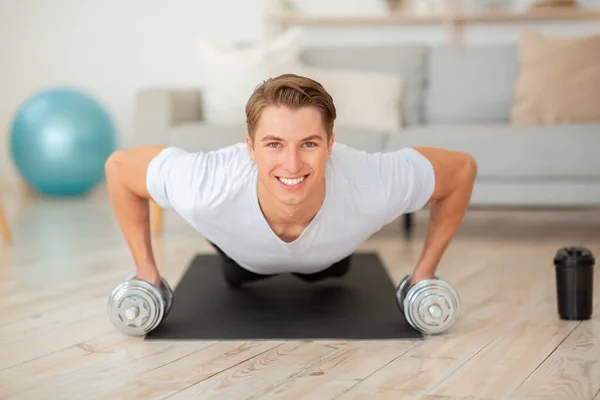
[(574, 257)]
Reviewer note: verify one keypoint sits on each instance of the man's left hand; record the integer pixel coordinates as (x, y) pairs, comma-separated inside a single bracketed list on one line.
[(419, 276)]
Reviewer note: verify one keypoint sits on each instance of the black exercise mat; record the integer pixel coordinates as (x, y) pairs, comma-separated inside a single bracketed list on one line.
[(358, 306)]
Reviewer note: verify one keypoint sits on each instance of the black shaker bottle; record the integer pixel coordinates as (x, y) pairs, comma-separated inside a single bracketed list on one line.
[(574, 268)]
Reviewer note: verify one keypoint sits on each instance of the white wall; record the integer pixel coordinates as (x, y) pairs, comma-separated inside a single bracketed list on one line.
[(112, 48)]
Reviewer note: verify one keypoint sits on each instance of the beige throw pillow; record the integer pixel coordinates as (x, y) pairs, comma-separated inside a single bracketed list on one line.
[(559, 80), (367, 100), (230, 74)]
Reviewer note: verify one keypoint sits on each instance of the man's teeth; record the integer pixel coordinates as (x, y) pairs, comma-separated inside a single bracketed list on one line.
[(291, 182)]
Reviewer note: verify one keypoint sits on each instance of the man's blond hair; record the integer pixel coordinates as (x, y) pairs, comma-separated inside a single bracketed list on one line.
[(292, 91)]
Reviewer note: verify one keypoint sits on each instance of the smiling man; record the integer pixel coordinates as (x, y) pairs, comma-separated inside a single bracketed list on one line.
[(290, 199)]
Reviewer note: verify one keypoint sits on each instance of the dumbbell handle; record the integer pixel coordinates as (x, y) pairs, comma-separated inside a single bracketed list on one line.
[(132, 313), (435, 311)]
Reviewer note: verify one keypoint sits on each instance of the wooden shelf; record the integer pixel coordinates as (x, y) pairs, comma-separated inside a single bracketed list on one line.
[(541, 14), (390, 19), (401, 18)]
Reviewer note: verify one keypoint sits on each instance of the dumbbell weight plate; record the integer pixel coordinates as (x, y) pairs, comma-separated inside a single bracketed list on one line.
[(168, 296), (165, 289), (403, 289), (431, 306), (401, 292), (136, 307)]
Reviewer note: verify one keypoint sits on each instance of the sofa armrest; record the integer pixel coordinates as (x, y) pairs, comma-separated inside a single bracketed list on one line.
[(158, 109)]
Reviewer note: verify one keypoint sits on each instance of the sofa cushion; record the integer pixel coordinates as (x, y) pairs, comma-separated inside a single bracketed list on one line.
[(507, 151), (229, 74), (205, 136), (363, 99), (409, 60), (471, 83), (559, 80), (369, 141)]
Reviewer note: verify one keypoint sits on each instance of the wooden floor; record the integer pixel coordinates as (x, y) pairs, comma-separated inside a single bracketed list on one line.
[(56, 341)]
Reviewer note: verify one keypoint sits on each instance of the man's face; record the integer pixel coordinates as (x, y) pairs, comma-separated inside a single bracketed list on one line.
[(291, 151)]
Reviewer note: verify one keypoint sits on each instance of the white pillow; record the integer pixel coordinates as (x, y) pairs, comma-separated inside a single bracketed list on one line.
[(230, 74), (363, 99)]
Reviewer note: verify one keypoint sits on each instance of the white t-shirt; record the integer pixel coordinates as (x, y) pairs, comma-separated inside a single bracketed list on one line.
[(216, 193)]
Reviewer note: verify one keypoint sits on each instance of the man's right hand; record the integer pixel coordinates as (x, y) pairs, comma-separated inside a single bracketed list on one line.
[(151, 276)]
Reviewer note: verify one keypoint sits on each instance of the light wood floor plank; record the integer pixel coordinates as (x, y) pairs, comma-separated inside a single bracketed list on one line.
[(52, 340), (572, 371), (354, 362), (164, 369), (364, 392), (500, 367), (409, 375), (252, 376), (78, 369)]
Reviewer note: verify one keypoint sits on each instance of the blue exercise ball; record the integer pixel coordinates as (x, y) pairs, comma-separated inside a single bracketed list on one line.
[(60, 140)]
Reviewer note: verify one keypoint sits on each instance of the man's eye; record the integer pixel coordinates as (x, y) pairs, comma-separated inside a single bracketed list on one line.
[(273, 144), (311, 144)]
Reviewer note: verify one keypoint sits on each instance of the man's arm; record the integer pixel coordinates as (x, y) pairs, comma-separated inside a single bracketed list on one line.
[(126, 178), (455, 174)]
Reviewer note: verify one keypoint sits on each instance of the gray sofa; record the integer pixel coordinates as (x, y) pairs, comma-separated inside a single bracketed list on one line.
[(456, 97)]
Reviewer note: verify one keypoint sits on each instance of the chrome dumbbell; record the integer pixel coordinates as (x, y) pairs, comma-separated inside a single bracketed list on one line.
[(136, 307), (431, 306)]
